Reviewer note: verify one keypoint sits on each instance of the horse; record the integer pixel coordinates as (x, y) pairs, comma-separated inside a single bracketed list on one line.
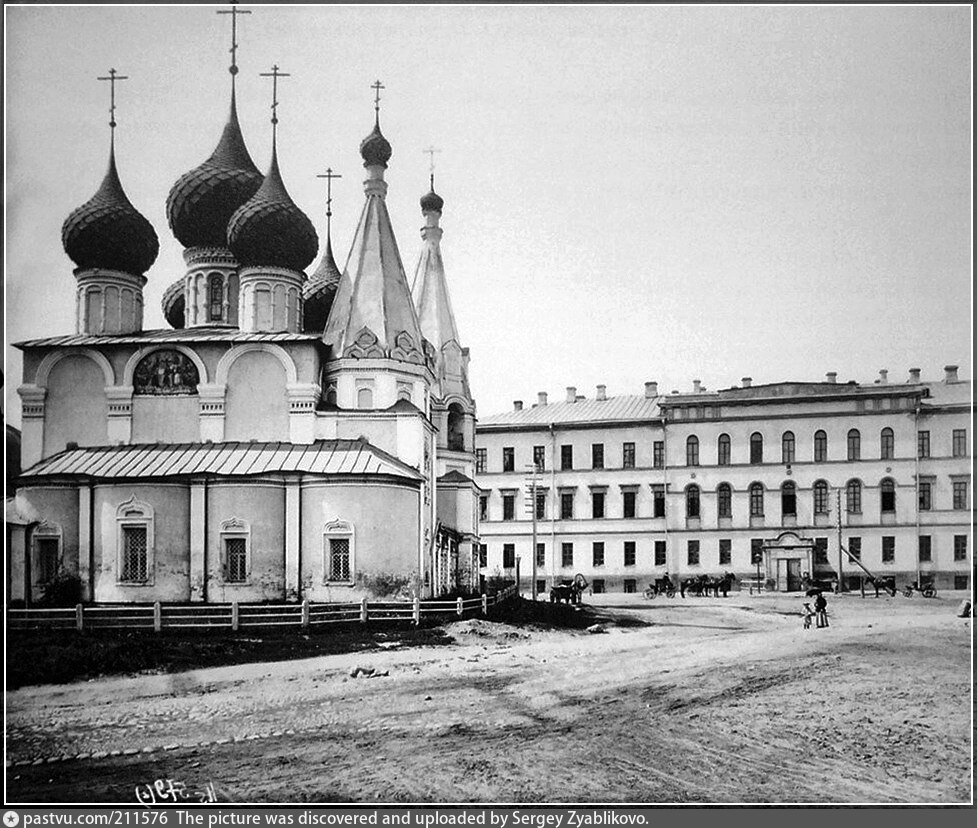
[(722, 585), (694, 586)]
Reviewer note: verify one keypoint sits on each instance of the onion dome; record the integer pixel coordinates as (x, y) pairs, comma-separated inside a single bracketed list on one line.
[(174, 305), (375, 149), (431, 202), (108, 232), (319, 291), (270, 230), (203, 200)]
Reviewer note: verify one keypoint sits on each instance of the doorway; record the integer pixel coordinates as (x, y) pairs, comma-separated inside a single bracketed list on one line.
[(788, 575)]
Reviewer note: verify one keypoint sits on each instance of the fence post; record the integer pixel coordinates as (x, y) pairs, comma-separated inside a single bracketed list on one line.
[(417, 611), (157, 617), (484, 604), (461, 608), (234, 616), (364, 614), (305, 612), (79, 618)]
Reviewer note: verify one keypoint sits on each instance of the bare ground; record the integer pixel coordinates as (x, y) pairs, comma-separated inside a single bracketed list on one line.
[(701, 700)]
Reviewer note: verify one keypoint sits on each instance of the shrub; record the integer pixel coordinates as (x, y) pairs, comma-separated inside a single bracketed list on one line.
[(387, 584), (63, 590)]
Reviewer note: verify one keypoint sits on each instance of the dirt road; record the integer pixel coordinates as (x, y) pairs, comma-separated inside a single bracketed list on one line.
[(701, 700)]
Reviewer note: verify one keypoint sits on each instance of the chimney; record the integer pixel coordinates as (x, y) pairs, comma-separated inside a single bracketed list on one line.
[(832, 377), (601, 392), (651, 389), (542, 398), (747, 381), (883, 376), (951, 373), (571, 393), (914, 375), (517, 405), (696, 386)]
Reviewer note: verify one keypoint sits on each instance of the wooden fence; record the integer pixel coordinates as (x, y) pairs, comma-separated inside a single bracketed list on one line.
[(237, 616)]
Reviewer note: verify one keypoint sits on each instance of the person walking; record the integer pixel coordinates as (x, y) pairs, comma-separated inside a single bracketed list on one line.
[(821, 610)]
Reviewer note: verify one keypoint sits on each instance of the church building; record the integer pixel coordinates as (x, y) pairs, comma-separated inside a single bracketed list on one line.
[(288, 437)]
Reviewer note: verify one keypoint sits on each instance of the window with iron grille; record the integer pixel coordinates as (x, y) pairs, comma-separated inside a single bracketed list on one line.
[(692, 451), (925, 496), (788, 498), (787, 447), (236, 559), (888, 548), (597, 504), (888, 494), (692, 502), (959, 442), (630, 553), (724, 500), (539, 457), (925, 549), (48, 559), (134, 554), (820, 446), (658, 454), (508, 555), (660, 553), (959, 547), (853, 497), (508, 507), (723, 450), (658, 499), (887, 444), (481, 460), (540, 554), (854, 445), (627, 454), (566, 554), (820, 497), (756, 447), (630, 500), (483, 555), (630, 585), (756, 550), (820, 550), (693, 553), (566, 457), (725, 551), (960, 494), (339, 569), (566, 505), (598, 553), (855, 547), (508, 459), (922, 444), (756, 500), (597, 455)]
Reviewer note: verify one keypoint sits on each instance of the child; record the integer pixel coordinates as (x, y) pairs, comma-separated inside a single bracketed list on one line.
[(808, 615), (821, 608)]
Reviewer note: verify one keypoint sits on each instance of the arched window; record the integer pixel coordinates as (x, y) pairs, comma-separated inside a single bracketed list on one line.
[(820, 446), (456, 428), (364, 398), (756, 500), (887, 448), (853, 496), (692, 451), (692, 502), (854, 445), (820, 497), (724, 500), (787, 447), (788, 498), (215, 292), (756, 447), (135, 542), (331, 395), (723, 450), (888, 492)]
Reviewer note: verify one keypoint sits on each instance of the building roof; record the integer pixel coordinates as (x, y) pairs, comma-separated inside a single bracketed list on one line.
[(165, 336), (634, 408), (323, 457)]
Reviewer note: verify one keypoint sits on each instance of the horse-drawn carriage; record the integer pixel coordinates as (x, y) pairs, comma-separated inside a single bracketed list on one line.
[(661, 586), (569, 589), (705, 585)]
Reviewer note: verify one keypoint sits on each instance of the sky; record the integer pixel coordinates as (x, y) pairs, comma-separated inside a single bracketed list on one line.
[(632, 193)]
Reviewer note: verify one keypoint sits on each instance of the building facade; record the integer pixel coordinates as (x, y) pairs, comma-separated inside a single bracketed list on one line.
[(772, 482)]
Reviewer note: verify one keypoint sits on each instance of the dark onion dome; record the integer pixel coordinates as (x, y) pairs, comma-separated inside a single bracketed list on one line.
[(174, 302), (319, 291), (203, 200), (270, 230), (375, 149), (431, 202), (108, 232)]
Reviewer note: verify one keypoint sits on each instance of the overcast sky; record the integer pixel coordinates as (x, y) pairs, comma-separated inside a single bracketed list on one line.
[(631, 193)]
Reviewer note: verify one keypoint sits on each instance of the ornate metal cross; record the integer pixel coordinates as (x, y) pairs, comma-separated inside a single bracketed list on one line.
[(376, 87), (234, 11), (274, 74), (112, 77), (430, 151), (329, 175)]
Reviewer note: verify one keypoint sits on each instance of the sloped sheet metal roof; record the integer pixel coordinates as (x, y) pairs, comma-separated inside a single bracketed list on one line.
[(613, 409), (326, 457), (164, 336)]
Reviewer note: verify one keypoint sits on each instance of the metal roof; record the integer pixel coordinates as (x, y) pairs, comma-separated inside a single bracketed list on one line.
[(166, 335), (326, 457), (613, 409)]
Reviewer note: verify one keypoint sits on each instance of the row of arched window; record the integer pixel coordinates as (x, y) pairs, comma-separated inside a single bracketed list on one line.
[(788, 445), (788, 498)]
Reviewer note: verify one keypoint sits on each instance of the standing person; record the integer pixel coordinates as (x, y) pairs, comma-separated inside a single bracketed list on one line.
[(821, 609), (808, 615)]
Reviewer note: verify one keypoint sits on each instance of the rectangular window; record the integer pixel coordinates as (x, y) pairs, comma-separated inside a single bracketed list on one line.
[(597, 455), (508, 507), (820, 550), (134, 554), (959, 547), (961, 582), (660, 553), (540, 506), (630, 500), (925, 496), (630, 585), (925, 549), (540, 554), (597, 504), (566, 505), (922, 444), (539, 457), (659, 502), (725, 551), (483, 507), (339, 559), (658, 458), (566, 457), (627, 454), (598, 553), (693, 553), (598, 586), (630, 553), (508, 459), (508, 555), (756, 551), (960, 494), (47, 559), (540, 587), (888, 548), (855, 547), (959, 442), (236, 559), (567, 554), (481, 460), (483, 555)]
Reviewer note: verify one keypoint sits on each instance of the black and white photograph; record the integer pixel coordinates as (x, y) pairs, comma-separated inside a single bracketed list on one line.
[(488, 406)]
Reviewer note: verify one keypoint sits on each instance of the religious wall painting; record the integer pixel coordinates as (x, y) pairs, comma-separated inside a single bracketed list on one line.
[(165, 372)]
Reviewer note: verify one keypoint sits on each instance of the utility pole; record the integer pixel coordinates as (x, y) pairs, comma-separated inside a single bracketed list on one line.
[(841, 557), (531, 485)]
